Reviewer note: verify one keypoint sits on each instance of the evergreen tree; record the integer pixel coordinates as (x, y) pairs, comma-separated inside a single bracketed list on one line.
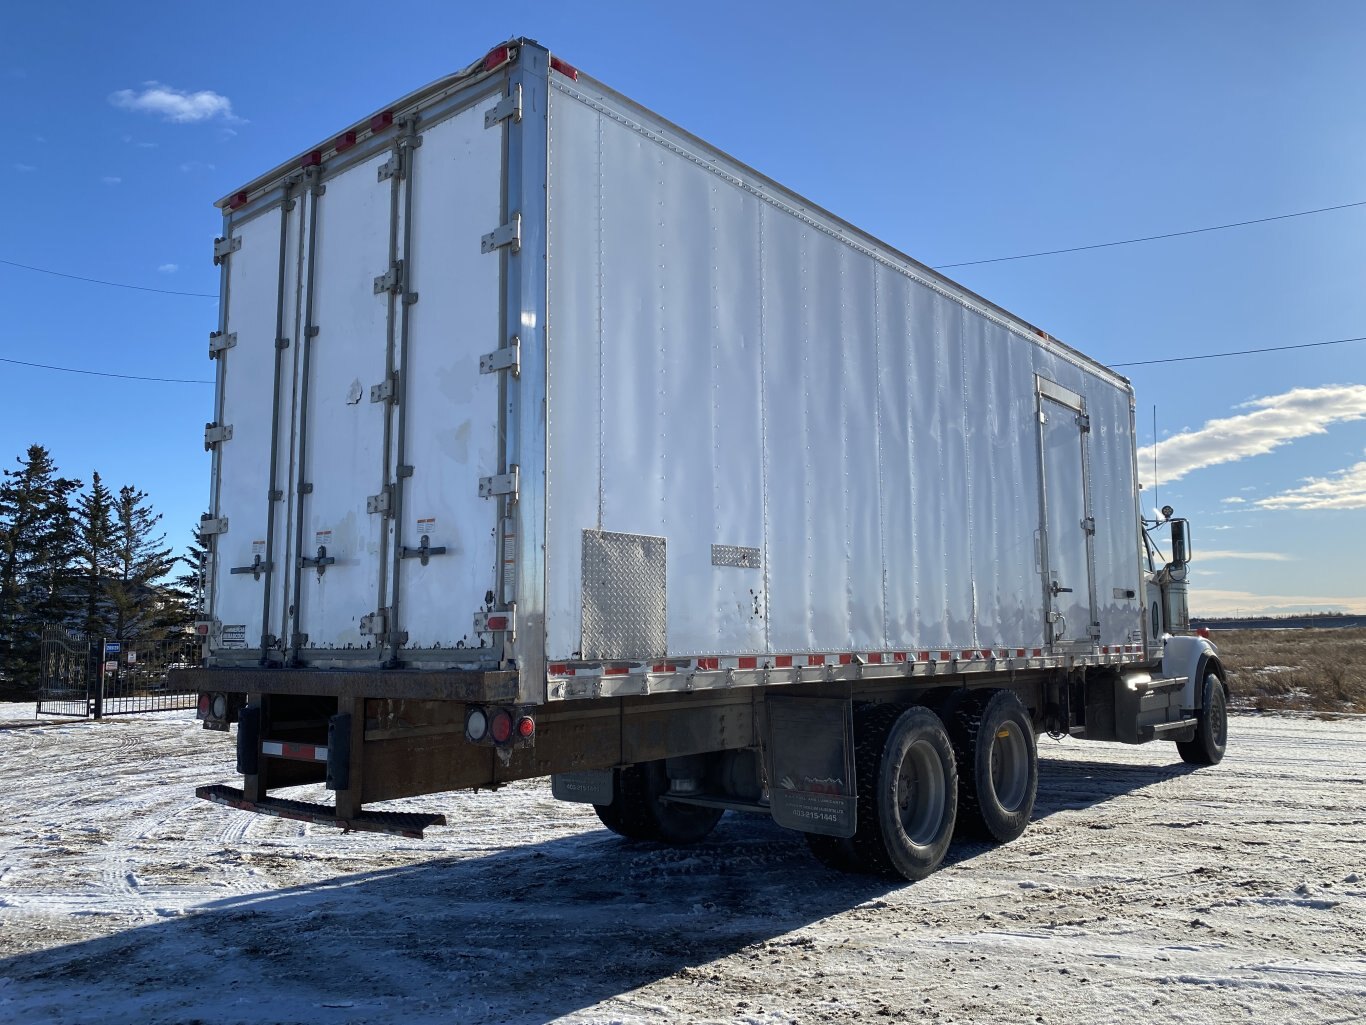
[(95, 531), (37, 548), (139, 608), (188, 587)]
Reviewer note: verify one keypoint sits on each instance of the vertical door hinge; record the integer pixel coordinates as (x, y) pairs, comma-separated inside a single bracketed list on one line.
[(215, 433), (509, 234), (382, 502), (220, 343), (223, 247), (375, 624), (391, 280), (399, 164), (1093, 631), (210, 525), (386, 390), (508, 358), (1084, 422), (510, 106), (500, 484), (1089, 524)]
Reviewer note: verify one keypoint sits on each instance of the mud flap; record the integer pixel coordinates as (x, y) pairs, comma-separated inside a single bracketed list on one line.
[(589, 786), (811, 764)]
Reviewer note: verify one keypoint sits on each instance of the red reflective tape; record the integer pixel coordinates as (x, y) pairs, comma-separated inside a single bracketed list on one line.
[(749, 662), (558, 670), (783, 661), (1038, 652), (846, 659), (660, 668), (708, 664), (615, 671), (1019, 652), (874, 658), (815, 660), (944, 656), (498, 622)]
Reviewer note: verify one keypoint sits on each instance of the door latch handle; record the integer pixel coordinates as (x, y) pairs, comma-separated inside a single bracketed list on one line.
[(1057, 589)]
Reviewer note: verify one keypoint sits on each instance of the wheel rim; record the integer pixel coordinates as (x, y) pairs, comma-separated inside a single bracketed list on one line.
[(921, 793), (1218, 714), (1009, 765)]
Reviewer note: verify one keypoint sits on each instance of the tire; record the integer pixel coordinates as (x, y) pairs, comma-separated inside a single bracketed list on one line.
[(998, 765), (908, 792), (1211, 731), (835, 852), (637, 813)]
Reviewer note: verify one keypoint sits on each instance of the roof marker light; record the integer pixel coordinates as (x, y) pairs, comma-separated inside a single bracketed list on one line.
[(313, 159), (564, 68), (345, 141), (381, 121), (237, 201), (498, 55)]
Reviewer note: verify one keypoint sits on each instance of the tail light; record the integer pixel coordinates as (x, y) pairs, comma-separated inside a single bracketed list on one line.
[(476, 725), (500, 728), (526, 727), (205, 704)]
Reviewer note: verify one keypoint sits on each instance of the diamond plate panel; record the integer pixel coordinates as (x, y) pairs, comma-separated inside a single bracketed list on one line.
[(625, 613), (734, 555)]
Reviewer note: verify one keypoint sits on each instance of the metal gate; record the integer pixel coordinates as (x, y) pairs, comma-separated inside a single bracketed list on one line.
[(86, 676)]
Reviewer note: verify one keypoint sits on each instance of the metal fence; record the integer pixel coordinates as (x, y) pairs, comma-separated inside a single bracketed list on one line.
[(86, 676)]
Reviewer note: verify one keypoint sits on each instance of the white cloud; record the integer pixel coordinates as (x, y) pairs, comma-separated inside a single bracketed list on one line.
[(174, 105), (1345, 489), (1218, 553), (109, 179), (195, 165), (169, 268), (1274, 421), (1233, 500), (24, 168), (1215, 602)]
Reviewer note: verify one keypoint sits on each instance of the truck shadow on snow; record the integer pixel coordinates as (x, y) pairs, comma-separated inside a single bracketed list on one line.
[(525, 934)]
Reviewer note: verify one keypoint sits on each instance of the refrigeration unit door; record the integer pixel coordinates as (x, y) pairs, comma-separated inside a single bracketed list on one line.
[(1068, 572)]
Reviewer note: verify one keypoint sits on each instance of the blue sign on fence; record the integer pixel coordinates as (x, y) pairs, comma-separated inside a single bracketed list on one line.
[(112, 647)]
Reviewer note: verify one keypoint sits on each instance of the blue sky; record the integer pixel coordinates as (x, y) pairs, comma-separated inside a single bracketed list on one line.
[(954, 132)]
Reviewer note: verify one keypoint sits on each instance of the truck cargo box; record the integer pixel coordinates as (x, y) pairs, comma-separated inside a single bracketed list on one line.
[(517, 376)]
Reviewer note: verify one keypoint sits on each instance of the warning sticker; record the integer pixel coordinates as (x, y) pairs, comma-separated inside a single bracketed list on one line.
[(234, 636), (323, 538), (426, 526), (258, 548)]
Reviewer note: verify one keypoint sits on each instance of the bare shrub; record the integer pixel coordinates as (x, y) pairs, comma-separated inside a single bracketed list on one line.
[(1306, 670)]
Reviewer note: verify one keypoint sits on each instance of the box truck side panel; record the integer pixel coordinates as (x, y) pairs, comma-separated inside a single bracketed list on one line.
[(257, 407), (1116, 544), (654, 379), (727, 363), (450, 434)]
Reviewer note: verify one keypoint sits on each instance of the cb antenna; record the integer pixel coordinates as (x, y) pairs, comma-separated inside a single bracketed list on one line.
[(1155, 505)]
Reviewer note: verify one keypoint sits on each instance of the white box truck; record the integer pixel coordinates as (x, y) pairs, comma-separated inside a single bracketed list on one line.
[(549, 440)]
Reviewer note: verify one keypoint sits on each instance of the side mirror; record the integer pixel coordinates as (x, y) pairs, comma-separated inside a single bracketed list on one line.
[(1180, 548)]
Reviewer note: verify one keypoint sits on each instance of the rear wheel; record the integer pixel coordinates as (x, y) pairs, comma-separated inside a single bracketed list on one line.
[(1211, 731), (638, 813), (908, 792), (998, 765)]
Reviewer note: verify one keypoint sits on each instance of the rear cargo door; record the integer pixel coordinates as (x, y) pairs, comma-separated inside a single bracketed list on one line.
[(251, 436), (449, 410), (1066, 540), (341, 462)]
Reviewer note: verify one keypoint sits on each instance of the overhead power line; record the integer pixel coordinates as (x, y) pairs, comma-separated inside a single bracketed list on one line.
[(102, 373), (1238, 352), (1151, 238), (111, 284)]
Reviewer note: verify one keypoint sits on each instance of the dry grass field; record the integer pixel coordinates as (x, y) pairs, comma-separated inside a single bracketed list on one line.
[(1296, 670)]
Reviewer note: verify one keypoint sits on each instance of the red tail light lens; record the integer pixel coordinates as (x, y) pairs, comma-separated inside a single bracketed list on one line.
[(500, 727), (526, 727), (203, 706)]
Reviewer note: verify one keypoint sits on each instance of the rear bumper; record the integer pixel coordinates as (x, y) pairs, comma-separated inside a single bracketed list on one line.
[(398, 823)]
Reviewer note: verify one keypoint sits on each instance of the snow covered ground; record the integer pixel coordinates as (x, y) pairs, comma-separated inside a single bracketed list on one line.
[(1142, 892)]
